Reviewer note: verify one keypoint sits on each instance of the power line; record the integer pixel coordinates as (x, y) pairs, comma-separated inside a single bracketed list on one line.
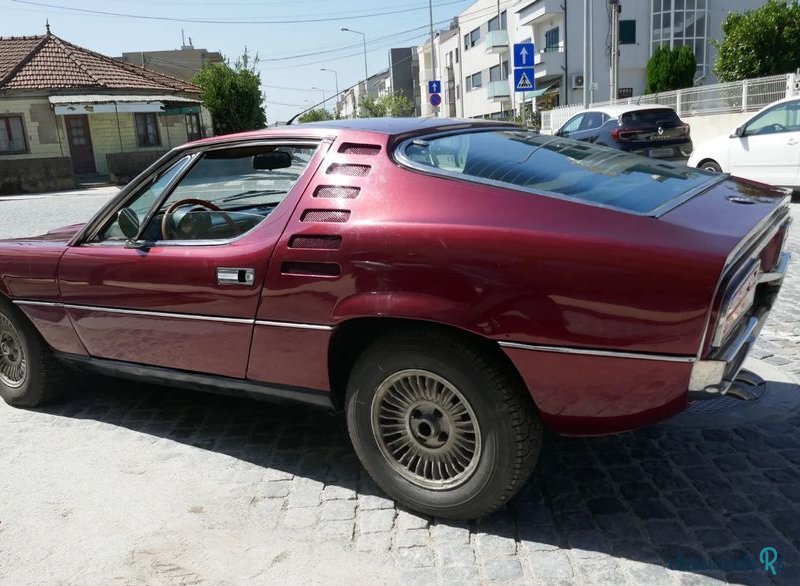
[(217, 21)]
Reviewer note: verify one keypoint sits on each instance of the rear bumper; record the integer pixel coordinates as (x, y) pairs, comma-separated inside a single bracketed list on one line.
[(716, 374)]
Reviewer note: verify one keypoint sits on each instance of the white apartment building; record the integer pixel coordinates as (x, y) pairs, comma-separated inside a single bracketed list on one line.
[(476, 70)]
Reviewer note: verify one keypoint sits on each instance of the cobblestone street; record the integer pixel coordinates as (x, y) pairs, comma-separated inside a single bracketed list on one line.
[(131, 484)]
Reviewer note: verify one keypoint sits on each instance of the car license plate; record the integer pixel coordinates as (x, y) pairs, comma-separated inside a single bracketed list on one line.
[(665, 152)]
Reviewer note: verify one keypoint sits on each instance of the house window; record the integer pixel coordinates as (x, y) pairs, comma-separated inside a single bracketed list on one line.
[(147, 130), (552, 40), (498, 23), (474, 37), (494, 73), (505, 69), (475, 81), (193, 128), (627, 32), (12, 135), (456, 54)]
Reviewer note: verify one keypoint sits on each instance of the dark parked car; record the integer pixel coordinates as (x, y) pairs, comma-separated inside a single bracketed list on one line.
[(651, 131), (453, 286)]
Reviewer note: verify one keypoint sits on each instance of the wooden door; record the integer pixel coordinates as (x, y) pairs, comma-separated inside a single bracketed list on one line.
[(80, 144)]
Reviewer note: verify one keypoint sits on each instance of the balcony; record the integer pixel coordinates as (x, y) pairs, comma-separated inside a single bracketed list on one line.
[(499, 91), (496, 42), (549, 62), (537, 10)]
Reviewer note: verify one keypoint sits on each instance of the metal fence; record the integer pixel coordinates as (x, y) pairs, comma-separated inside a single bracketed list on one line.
[(738, 96)]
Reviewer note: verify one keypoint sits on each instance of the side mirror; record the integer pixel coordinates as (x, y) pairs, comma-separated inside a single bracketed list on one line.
[(271, 161), (739, 132), (128, 222)]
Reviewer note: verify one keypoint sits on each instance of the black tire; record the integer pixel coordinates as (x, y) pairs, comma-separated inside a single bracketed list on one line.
[(42, 378), (709, 165), (507, 430)]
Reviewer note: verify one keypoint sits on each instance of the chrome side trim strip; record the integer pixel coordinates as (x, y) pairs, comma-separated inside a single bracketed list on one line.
[(230, 320), (286, 324), (36, 303), (606, 353), (169, 315)]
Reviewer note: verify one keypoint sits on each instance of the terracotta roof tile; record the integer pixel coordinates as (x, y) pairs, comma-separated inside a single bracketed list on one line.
[(48, 62)]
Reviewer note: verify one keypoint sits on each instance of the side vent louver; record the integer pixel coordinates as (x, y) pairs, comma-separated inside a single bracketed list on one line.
[(336, 192), (316, 242), (311, 269), (349, 170), (337, 216), (350, 148)]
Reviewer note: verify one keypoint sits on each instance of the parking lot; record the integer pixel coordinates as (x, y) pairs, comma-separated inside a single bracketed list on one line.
[(131, 484)]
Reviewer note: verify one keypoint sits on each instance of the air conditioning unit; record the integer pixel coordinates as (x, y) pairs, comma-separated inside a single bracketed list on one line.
[(577, 81)]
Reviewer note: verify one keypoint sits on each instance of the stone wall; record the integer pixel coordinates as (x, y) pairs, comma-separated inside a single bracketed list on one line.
[(35, 175), (122, 167)]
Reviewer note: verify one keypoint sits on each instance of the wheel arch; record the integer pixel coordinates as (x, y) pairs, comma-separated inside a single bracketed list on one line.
[(352, 337), (705, 160)]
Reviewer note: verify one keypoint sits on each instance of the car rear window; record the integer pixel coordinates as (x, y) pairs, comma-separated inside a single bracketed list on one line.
[(649, 117), (556, 166)]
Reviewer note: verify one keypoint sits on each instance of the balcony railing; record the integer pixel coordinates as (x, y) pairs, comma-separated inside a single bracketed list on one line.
[(496, 42), (549, 62), (538, 10), (499, 90)]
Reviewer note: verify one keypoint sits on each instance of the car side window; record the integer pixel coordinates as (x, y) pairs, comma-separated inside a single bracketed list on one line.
[(781, 118), (592, 120), (144, 199), (572, 125), (225, 194)]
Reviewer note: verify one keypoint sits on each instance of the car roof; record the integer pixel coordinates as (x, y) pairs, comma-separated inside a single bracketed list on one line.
[(386, 126), (616, 110)]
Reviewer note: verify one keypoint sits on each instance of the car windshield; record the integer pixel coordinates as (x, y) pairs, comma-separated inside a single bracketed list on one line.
[(558, 166)]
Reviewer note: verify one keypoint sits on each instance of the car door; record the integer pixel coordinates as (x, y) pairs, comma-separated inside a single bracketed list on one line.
[(768, 149), (172, 277)]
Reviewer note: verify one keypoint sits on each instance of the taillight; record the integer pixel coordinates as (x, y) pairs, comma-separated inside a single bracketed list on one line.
[(683, 129), (623, 133), (737, 302)]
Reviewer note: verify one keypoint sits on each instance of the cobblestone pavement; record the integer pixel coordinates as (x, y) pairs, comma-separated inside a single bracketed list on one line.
[(131, 484)]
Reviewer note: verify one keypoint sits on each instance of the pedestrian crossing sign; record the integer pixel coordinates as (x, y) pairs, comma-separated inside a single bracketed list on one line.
[(524, 79)]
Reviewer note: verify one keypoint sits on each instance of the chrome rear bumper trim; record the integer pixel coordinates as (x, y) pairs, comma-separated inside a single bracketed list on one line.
[(606, 353)]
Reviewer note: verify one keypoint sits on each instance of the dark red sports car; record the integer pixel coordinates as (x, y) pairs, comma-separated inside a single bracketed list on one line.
[(454, 286)]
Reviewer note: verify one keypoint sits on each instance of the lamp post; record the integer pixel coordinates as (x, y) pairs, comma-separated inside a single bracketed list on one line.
[(364, 38), (319, 89), (336, 79)]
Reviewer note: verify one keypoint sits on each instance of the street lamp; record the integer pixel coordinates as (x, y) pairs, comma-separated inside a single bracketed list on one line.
[(336, 78), (364, 37), (323, 95)]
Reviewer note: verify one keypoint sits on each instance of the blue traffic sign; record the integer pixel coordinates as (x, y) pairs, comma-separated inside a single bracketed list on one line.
[(524, 79), (436, 99), (523, 54), (435, 87)]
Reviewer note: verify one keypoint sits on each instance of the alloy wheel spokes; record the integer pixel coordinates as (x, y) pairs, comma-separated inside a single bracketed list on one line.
[(13, 363), (426, 429)]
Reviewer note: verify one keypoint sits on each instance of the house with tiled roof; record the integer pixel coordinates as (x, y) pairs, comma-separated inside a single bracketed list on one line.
[(67, 112)]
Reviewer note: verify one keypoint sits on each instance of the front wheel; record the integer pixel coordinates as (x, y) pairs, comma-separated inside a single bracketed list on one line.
[(441, 425), (711, 166), (29, 374)]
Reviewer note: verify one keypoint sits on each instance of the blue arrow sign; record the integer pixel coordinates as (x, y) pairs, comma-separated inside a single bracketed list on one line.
[(523, 54), (435, 87), (524, 79)]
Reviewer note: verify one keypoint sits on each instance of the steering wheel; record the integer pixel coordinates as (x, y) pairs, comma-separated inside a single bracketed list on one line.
[(778, 127), (193, 202)]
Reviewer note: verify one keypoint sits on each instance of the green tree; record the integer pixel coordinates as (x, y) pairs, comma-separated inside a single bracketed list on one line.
[(670, 69), (760, 42), (392, 104), (233, 94), (316, 115)]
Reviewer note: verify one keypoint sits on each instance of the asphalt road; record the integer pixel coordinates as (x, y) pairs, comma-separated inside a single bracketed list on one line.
[(131, 484)]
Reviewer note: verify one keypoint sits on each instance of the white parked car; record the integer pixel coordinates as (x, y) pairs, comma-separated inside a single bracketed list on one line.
[(766, 148)]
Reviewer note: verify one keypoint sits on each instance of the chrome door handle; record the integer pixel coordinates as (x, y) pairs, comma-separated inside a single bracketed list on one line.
[(235, 276), (791, 142)]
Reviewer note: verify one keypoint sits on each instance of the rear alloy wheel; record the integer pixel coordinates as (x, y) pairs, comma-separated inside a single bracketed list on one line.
[(29, 374), (440, 424), (711, 166)]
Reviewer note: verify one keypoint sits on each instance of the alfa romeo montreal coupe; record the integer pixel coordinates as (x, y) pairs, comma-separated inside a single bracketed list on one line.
[(454, 287)]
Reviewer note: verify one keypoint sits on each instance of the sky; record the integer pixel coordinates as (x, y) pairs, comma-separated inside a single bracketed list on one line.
[(288, 73)]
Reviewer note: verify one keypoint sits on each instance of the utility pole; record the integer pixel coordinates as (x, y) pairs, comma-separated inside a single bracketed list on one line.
[(586, 53), (590, 75), (433, 52), (615, 10)]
